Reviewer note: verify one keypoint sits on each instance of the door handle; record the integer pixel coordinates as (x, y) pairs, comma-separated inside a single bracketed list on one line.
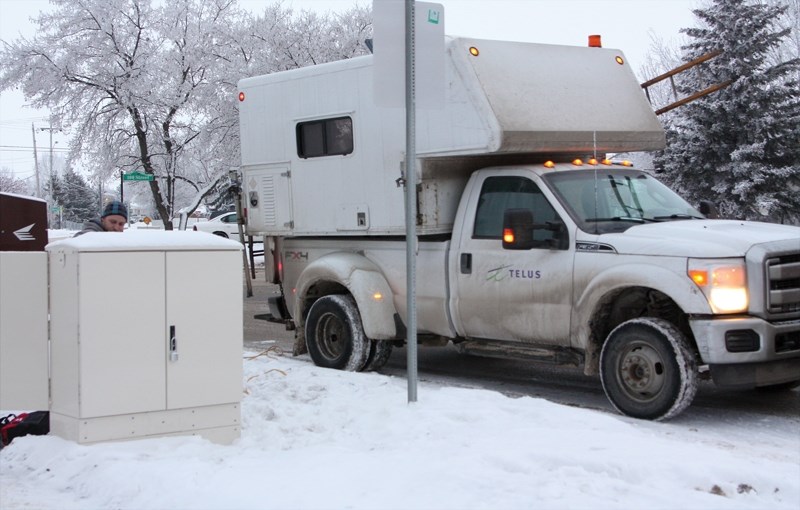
[(466, 263), (173, 344)]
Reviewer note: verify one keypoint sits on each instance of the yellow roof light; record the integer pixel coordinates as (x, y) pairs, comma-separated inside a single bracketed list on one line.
[(606, 161), (619, 60), (577, 162), (625, 162), (592, 161), (549, 164), (474, 51)]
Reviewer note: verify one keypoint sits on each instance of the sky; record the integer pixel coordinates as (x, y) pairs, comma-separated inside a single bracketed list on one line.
[(315, 438), (628, 25)]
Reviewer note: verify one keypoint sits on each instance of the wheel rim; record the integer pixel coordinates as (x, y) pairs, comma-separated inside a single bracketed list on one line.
[(641, 372), (332, 336)]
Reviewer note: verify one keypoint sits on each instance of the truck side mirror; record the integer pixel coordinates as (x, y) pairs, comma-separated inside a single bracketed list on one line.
[(709, 209), (518, 229)]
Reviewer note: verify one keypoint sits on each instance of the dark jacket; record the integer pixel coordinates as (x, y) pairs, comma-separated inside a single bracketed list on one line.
[(91, 226)]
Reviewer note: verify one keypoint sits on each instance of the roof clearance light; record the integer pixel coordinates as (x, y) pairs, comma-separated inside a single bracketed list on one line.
[(508, 236), (625, 162), (595, 41), (577, 162), (474, 51), (549, 164), (241, 96), (607, 161), (619, 60), (592, 161)]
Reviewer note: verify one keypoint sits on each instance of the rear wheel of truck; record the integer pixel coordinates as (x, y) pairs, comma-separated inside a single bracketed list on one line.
[(334, 334), (648, 369)]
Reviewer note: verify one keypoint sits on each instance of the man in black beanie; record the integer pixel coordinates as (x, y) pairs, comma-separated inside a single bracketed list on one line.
[(114, 217)]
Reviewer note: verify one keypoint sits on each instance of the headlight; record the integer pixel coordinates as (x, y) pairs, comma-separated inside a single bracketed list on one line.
[(723, 282)]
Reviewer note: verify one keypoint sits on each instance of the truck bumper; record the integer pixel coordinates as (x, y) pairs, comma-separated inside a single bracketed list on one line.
[(748, 351)]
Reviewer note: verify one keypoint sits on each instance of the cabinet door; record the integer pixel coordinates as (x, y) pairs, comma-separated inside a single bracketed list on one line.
[(204, 310), (121, 333)]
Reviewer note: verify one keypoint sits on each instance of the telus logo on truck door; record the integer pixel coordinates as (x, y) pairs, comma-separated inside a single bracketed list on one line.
[(508, 272)]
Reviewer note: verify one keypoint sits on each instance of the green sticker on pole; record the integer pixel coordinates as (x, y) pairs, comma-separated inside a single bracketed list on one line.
[(138, 176)]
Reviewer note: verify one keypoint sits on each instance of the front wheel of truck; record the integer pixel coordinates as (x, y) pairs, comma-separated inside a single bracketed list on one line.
[(648, 369), (334, 334)]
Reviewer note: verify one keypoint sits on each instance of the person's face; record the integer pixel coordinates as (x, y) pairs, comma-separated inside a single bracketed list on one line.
[(113, 223)]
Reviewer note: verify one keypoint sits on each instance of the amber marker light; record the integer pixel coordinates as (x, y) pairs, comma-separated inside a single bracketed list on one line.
[(619, 60), (474, 51), (699, 277), (549, 164), (508, 236), (606, 161), (577, 162), (592, 161), (377, 296), (627, 163), (241, 96)]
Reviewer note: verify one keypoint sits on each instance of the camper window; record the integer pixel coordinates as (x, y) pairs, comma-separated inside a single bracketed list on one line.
[(328, 137)]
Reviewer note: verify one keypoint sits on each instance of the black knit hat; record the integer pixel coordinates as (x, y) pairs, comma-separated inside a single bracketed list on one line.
[(115, 207)]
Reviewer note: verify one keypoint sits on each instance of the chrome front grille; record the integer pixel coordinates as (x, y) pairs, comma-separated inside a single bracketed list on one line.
[(783, 284)]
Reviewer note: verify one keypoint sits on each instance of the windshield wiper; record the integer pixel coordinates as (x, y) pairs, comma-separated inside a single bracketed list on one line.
[(622, 218), (678, 217)]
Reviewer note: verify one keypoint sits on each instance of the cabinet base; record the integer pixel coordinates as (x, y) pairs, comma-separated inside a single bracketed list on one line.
[(218, 423)]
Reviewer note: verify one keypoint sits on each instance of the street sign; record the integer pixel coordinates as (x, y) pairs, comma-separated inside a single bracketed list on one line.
[(138, 176)]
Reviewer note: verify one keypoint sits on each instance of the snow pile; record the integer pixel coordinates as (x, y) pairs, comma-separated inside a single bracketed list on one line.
[(317, 438)]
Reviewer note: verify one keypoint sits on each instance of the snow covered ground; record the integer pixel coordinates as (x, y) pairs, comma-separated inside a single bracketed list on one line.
[(314, 438)]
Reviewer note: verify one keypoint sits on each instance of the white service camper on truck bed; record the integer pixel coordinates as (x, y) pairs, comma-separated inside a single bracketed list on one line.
[(532, 244)]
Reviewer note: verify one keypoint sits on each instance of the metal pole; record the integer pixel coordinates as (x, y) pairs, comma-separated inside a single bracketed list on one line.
[(411, 207), (36, 164), (121, 187)]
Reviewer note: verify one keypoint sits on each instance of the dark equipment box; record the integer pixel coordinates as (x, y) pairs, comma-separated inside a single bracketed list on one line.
[(23, 223)]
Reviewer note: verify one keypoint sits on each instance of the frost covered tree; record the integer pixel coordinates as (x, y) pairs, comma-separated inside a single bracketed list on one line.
[(76, 197), (149, 86), (9, 183), (740, 146)]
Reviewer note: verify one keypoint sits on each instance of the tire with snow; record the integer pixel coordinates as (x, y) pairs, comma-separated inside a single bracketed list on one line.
[(648, 369), (379, 353), (334, 334)]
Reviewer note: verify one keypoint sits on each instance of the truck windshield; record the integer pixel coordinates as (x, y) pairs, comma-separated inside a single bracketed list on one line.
[(613, 200)]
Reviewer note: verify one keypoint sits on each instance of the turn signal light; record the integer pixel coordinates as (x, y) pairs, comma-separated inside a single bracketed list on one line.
[(508, 235), (699, 277)]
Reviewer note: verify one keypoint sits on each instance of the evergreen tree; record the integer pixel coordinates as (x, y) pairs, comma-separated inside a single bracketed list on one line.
[(740, 146), (78, 199)]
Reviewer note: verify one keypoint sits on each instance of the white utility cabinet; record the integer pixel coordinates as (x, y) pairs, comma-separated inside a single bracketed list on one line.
[(23, 330), (146, 336)]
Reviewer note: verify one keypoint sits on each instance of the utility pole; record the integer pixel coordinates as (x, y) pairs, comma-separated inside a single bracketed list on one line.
[(36, 163), (50, 128)]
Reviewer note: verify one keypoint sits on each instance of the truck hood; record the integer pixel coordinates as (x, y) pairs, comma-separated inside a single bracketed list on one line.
[(698, 238)]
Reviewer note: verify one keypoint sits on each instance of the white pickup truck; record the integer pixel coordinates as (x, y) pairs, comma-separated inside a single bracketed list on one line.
[(531, 243)]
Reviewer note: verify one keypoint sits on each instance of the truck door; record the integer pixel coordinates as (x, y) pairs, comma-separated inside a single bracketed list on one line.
[(507, 294)]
